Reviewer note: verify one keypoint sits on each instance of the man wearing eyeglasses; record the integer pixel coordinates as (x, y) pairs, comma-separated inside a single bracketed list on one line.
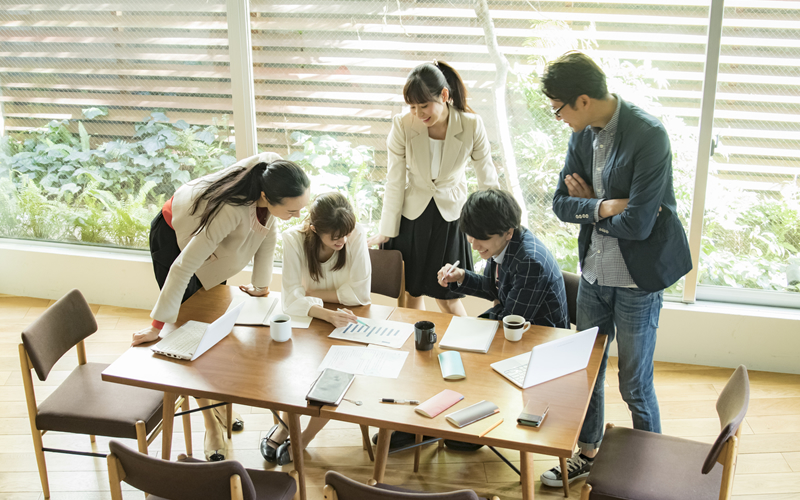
[(617, 185)]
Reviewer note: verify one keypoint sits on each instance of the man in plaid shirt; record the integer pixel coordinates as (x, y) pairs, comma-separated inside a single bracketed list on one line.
[(521, 275), (616, 185)]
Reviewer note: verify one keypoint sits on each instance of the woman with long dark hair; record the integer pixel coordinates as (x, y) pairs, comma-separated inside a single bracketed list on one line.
[(426, 186), (324, 260), (209, 231)]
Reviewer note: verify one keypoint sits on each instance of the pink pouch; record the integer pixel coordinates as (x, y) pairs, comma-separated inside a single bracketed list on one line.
[(439, 403)]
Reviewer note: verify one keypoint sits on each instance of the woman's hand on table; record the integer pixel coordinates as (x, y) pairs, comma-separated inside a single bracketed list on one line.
[(254, 291), (145, 335), (340, 318)]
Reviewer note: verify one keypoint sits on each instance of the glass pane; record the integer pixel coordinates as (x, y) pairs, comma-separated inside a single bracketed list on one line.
[(329, 77), (107, 108), (751, 236)]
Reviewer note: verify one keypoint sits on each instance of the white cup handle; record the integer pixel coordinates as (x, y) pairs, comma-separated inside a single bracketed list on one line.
[(527, 326)]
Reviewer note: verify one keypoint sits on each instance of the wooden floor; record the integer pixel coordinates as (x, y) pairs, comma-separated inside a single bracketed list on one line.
[(769, 460)]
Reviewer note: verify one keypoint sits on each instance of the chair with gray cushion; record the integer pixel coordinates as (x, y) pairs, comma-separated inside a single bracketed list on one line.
[(571, 281), (83, 403), (190, 479), (642, 465), (339, 487)]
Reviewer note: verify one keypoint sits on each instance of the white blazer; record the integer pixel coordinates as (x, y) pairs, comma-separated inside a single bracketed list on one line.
[(409, 187), (222, 249)]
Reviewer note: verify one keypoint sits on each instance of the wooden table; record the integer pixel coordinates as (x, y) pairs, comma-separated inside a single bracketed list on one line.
[(246, 367), (421, 378)]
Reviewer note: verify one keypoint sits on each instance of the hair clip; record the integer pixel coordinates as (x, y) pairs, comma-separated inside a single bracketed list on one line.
[(435, 62)]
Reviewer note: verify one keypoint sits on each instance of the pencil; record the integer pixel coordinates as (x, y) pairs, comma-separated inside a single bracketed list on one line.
[(493, 427)]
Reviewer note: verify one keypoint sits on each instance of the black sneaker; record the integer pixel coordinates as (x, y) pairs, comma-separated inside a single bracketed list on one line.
[(578, 467), (399, 439)]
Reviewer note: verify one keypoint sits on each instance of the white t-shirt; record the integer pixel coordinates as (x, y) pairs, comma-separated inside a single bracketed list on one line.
[(436, 148), (352, 283)]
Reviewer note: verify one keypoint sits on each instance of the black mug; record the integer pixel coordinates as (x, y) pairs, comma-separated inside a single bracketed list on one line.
[(424, 335)]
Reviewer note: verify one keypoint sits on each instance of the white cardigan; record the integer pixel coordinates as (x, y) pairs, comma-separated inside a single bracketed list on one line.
[(222, 249), (409, 187), (352, 283)]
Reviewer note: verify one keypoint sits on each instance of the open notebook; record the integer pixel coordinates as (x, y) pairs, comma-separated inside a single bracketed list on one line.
[(258, 310)]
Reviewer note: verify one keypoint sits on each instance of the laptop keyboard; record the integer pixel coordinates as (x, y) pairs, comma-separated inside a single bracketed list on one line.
[(184, 341), (517, 374)]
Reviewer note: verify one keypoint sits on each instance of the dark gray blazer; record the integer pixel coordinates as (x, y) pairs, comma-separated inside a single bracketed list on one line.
[(653, 244)]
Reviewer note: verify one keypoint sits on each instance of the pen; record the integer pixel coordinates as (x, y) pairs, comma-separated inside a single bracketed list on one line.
[(399, 401), (493, 427), (358, 320), (450, 269)]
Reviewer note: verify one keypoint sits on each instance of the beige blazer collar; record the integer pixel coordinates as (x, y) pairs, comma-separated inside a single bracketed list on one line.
[(420, 144)]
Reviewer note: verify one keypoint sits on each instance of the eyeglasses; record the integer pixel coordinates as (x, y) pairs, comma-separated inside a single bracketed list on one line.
[(558, 111)]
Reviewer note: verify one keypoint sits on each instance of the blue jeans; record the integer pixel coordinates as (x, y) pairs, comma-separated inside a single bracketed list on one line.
[(630, 315)]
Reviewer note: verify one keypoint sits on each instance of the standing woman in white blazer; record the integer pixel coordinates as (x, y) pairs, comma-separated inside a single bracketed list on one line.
[(325, 260), (210, 230), (426, 185)]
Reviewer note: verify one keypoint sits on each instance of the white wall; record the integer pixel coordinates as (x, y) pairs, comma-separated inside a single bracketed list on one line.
[(706, 334)]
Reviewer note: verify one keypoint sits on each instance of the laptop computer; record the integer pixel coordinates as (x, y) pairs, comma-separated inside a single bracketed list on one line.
[(549, 360), (194, 337)]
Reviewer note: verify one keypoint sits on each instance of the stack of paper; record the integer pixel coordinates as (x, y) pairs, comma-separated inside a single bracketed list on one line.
[(469, 334)]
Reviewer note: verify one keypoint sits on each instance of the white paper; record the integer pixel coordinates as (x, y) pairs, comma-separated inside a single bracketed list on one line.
[(469, 334), (258, 312), (364, 361), (379, 332)]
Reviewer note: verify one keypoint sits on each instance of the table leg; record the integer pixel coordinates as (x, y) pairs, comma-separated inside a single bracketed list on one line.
[(381, 454), (168, 417), (296, 436), (564, 468), (526, 475)]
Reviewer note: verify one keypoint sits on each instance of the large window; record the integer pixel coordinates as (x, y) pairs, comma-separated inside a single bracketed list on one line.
[(106, 112)]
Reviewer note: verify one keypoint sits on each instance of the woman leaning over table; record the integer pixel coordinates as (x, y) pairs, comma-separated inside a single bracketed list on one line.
[(426, 185), (209, 231), (325, 260)]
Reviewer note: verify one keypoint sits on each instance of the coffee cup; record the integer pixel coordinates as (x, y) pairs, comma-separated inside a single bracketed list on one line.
[(514, 326), (280, 327), (424, 335)]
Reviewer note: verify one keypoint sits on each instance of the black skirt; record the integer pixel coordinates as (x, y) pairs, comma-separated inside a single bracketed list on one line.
[(164, 250), (427, 244)]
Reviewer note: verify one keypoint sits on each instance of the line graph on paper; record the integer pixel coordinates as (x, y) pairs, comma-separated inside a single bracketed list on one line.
[(378, 332)]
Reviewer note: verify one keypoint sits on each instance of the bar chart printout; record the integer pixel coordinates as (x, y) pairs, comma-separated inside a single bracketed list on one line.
[(379, 332)]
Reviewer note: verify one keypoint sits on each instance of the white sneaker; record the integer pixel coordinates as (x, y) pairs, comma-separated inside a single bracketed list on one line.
[(578, 467)]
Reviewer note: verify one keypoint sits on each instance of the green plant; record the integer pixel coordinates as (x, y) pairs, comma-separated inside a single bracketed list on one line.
[(57, 187)]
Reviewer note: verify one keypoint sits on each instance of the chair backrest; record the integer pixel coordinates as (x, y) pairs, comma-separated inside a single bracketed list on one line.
[(571, 281), (57, 330), (347, 489), (387, 272), (180, 480), (731, 407)]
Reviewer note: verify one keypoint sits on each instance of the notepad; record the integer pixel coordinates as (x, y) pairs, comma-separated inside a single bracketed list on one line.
[(439, 403), (451, 365), (469, 334), (472, 414)]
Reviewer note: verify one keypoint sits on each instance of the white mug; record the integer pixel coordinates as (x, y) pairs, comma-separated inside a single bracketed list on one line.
[(280, 327), (514, 326)]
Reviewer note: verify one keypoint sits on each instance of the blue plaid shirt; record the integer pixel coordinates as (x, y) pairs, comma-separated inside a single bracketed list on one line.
[(529, 283)]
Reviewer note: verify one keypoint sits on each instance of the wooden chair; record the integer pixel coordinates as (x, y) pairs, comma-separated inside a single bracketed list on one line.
[(388, 274), (190, 479), (83, 403), (571, 281), (640, 464), (339, 487)]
